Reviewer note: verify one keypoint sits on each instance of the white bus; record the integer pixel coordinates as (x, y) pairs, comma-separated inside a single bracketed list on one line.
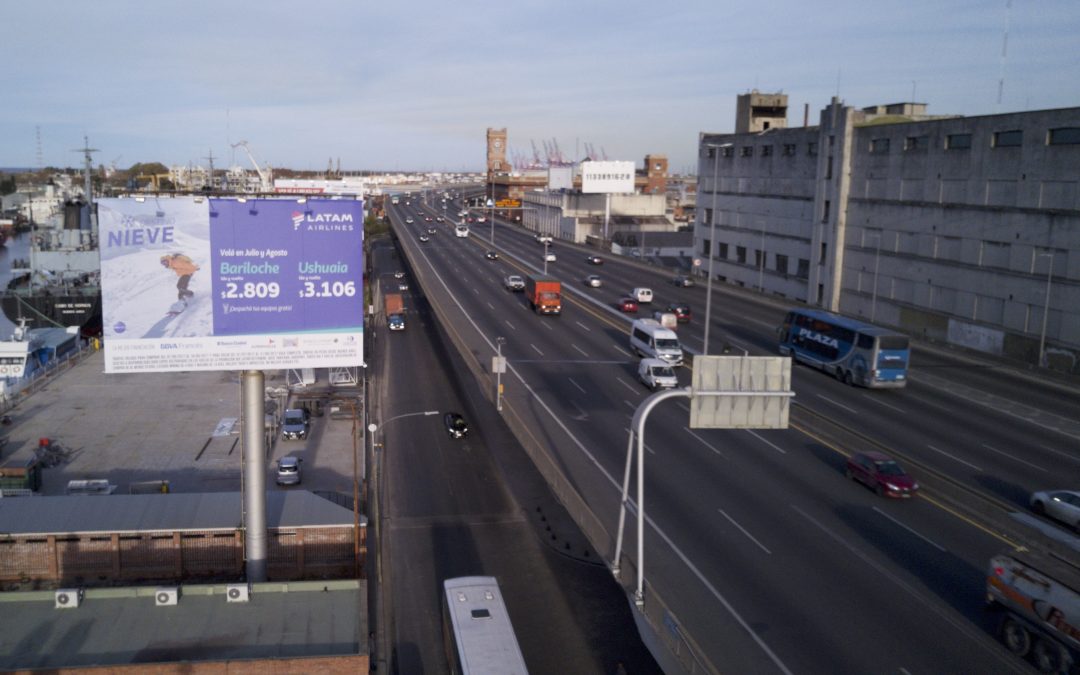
[(477, 634), (461, 230)]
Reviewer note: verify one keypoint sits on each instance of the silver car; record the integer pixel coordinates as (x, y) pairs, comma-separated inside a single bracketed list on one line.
[(1061, 505), (593, 281), (288, 471)]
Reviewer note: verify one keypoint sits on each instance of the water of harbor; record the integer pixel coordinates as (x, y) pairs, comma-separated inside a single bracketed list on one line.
[(16, 247)]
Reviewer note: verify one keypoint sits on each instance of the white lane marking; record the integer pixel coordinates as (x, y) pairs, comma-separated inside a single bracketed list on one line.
[(631, 406), (838, 405), (583, 352), (623, 383), (874, 399), (545, 325), (650, 450), (702, 441), (476, 290), (616, 485), (743, 530), (683, 406), (624, 350), (1058, 452), (582, 389), (768, 443), (509, 324), (587, 329), (926, 539), (976, 636), (1017, 459), (491, 307), (536, 348), (954, 457)]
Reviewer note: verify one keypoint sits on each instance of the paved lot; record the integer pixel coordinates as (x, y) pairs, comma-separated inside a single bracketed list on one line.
[(179, 427)]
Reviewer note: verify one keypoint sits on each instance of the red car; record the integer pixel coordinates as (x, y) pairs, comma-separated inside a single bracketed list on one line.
[(682, 312), (628, 305), (881, 474)]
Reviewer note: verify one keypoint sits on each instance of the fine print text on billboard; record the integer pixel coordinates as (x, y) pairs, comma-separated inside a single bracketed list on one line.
[(224, 284)]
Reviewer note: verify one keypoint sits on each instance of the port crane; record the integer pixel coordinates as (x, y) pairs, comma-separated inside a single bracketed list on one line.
[(266, 176)]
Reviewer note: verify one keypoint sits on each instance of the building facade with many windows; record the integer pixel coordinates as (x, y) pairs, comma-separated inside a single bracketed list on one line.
[(960, 229)]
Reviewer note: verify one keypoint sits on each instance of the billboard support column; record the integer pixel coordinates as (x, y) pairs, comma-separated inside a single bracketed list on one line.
[(254, 416), (607, 214)]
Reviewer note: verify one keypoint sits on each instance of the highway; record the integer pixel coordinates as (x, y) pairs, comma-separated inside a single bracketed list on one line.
[(763, 553)]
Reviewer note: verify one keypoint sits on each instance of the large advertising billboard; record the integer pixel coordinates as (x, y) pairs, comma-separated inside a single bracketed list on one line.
[(193, 283), (600, 177)]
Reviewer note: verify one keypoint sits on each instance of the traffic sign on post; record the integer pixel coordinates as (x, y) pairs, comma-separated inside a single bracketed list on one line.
[(740, 392)]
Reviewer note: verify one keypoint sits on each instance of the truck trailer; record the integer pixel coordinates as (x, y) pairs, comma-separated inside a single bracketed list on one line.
[(395, 311), (1038, 598), (544, 294)]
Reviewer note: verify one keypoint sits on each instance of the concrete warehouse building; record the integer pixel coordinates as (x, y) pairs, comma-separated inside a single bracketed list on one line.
[(959, 229)]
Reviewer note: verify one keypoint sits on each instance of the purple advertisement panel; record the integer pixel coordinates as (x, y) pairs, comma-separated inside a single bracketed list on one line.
[(282, 267), (190, 283)]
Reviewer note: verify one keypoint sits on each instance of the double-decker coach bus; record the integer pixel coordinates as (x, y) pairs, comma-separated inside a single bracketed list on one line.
[(477, 633), (853, 351)]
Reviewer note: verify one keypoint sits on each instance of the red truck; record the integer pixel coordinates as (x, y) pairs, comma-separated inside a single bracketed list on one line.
[(395, 311), (544, 294)]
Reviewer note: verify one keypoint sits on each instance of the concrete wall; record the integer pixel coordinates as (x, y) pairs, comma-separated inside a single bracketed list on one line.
[(897, 224)]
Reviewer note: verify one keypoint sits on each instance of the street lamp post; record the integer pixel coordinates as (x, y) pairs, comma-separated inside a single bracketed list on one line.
[(761, 263), (1046, 309), (877, 261), (546, 244), (712, 242), (500, 366)]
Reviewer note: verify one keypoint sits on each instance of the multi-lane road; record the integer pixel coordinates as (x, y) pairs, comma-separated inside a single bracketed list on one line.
[(763, 554)]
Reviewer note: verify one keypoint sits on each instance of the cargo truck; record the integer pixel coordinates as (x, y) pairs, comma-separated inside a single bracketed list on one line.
[(1038, 597), (544, 294), (395, 311)]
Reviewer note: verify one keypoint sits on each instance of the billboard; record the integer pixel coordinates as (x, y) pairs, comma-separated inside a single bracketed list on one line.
[(192, 283), (560, 178), (600, 177)]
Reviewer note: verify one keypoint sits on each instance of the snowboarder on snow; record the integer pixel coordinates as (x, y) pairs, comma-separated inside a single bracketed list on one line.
[(184, 268)]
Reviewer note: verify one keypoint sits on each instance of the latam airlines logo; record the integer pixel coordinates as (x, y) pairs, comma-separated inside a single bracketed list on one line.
[(818, 337), (323, 222)]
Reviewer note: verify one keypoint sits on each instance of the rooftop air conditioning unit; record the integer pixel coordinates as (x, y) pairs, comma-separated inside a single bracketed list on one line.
[(237, 593), (67, 598), (166, 596)]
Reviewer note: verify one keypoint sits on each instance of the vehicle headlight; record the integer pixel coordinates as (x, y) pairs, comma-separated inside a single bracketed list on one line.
[(894, 488)]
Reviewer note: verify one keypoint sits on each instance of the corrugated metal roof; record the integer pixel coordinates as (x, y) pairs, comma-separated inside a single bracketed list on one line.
[(162, 512)]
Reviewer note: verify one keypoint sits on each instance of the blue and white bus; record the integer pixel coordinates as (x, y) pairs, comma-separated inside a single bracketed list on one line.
[(853, 351), (477, 633)]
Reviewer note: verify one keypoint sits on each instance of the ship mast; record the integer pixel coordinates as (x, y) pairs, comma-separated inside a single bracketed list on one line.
[(87, 186)]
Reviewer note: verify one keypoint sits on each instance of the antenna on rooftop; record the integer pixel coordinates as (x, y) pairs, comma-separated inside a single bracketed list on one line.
[(1004, 53)]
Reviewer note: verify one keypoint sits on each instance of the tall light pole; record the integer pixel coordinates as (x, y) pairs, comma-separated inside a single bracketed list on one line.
[(500, 366), (877, 260), (546, 244), (1046, 309), (712, 241), (761, 263)]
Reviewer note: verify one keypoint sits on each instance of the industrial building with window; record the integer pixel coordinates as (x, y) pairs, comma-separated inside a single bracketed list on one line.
[(959, 229)]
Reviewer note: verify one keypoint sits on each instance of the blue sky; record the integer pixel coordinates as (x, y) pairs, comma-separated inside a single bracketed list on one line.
[(413, 85)]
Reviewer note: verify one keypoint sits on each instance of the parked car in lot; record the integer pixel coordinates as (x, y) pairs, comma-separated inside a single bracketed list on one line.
[(1061, 505), (882, 474), (682, 280), (456, 425), (594, 260), (288, 470), (593, 281), (294, 424), (514, 283), (682, 312), (628, 305), (492, 255)]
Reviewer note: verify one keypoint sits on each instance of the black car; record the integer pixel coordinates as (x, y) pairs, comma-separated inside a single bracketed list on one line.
[(683, 280), (594, 260), (492, 255), (456, 425)]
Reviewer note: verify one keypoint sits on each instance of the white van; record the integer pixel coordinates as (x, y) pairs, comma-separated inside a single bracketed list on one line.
[(657, 374), (651, 340), (642, 294)]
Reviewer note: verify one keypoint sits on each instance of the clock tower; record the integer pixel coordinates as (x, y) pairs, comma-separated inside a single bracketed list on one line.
[(496, 152)]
